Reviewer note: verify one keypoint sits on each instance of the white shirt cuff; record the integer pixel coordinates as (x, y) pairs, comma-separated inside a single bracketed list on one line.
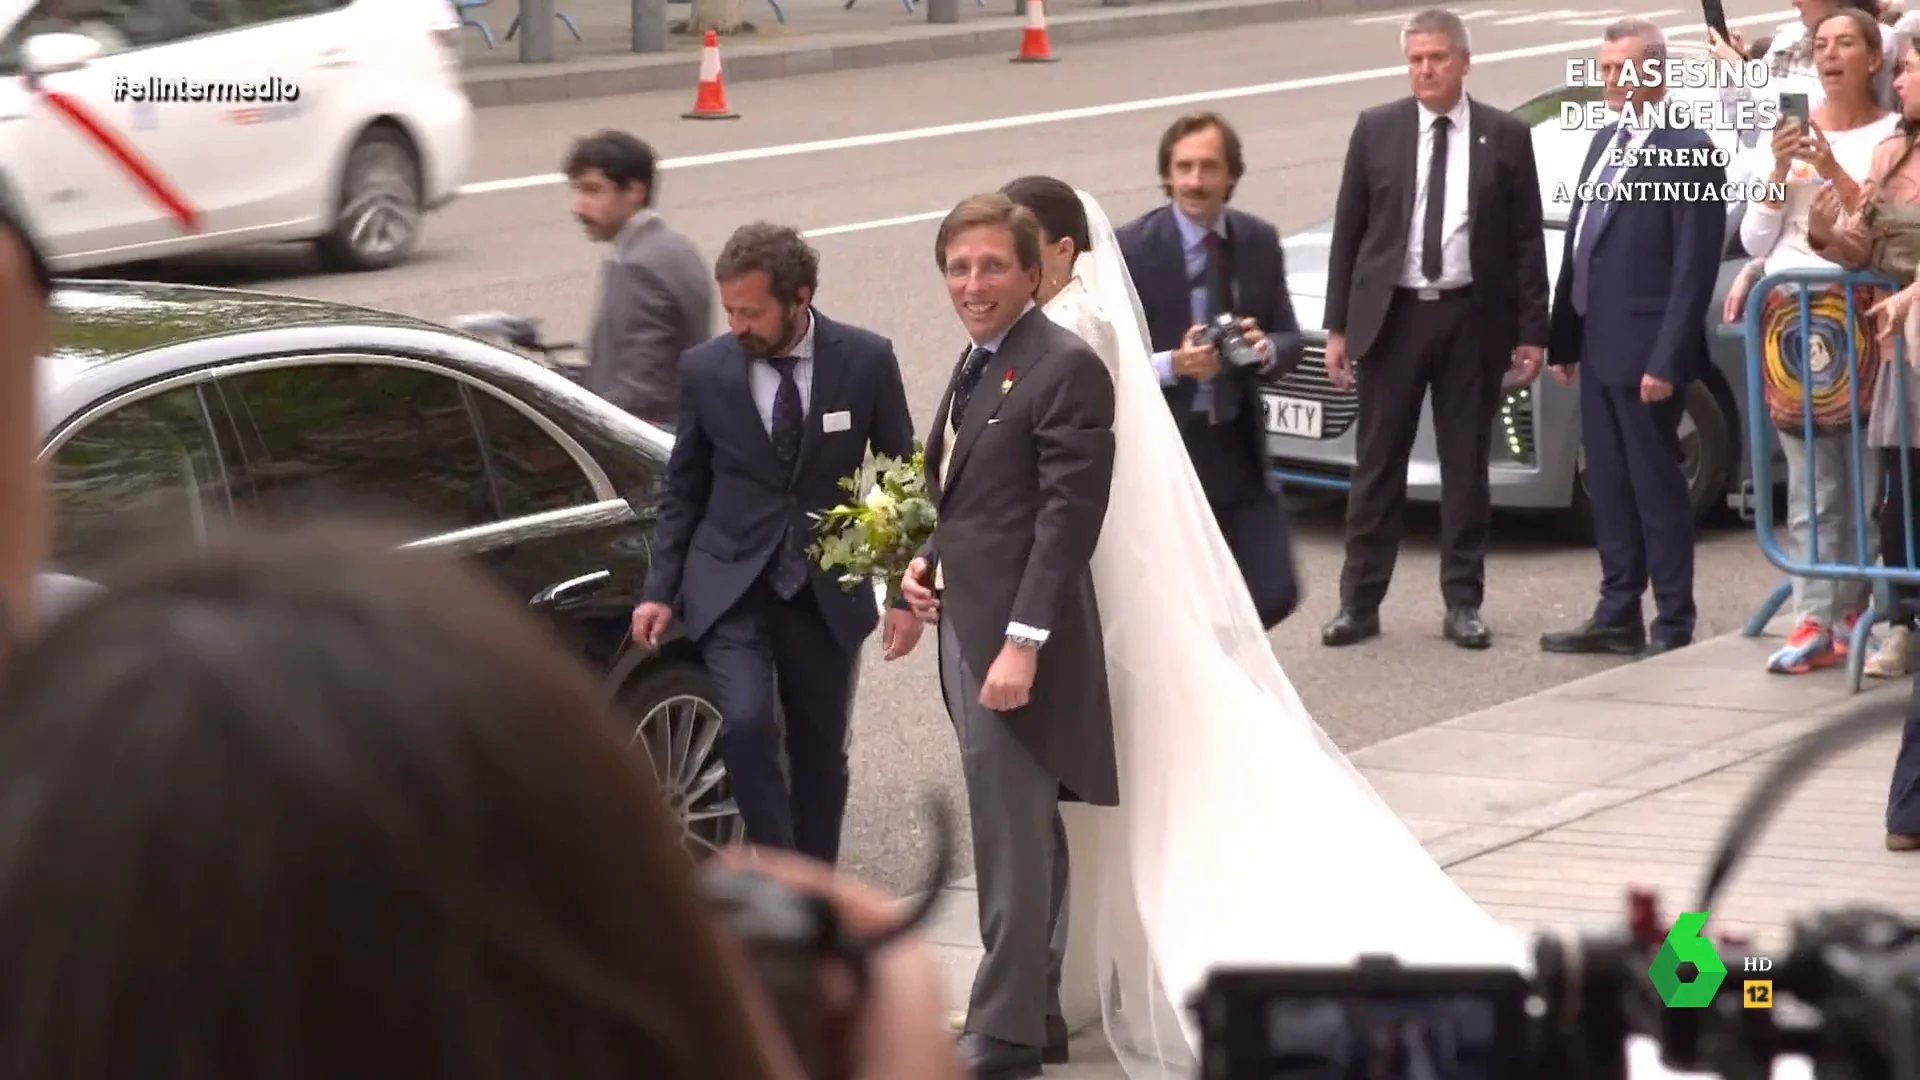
[(1031, 633), (1163, 363)]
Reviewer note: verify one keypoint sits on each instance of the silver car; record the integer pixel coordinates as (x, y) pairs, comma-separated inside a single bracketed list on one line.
[(1537, 462)]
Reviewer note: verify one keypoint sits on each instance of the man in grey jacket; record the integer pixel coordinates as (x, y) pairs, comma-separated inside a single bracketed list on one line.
[(656, 292)]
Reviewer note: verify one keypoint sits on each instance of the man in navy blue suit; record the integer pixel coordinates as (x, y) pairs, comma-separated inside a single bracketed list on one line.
[(1631, 306), (773, 415)]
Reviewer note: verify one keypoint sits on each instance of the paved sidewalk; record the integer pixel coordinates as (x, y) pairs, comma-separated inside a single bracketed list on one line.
[(822, 36), (1548, 808)]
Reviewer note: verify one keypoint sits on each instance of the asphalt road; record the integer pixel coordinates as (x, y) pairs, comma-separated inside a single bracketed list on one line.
[(511, 245)]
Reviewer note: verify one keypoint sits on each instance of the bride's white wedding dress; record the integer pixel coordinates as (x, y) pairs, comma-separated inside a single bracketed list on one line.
[(1243, 835)]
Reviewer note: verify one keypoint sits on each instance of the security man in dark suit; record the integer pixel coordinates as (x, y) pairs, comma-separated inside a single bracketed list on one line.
[(1437, 277), (1631, 306), (1192, 261)]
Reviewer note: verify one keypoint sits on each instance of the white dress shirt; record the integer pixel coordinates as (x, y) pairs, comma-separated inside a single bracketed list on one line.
[(764, 378), (1456, 264)]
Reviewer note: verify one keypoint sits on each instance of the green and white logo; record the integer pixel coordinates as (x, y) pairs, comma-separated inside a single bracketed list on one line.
[(1685, 945)]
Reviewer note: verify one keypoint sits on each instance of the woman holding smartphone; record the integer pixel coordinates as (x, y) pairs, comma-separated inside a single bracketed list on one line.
[(1829, 152)]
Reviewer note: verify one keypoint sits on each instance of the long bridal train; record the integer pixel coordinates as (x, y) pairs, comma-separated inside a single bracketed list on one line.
[(1243, 835)]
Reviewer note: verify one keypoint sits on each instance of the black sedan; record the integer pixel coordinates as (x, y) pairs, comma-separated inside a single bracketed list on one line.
[(168, 411)]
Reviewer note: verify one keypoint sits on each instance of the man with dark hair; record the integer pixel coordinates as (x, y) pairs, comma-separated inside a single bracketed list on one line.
[(656, 301), (772, 415), (1192, 261), (1436, 281)]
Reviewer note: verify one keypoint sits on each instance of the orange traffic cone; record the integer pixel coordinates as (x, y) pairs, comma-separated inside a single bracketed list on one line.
[(710, 101), (1033, 42)]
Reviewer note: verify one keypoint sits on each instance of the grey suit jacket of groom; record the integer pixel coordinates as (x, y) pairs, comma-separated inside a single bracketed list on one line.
[(656, 302)]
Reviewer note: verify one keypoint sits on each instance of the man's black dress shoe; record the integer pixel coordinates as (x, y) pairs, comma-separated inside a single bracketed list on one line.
[(1592, 639), (1464, 628), (988, 1058), (1057, 1039), (1350, 628), (1655, 648)]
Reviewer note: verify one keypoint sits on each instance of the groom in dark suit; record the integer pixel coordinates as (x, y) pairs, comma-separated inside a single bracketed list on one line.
[(1191, 261), (772, 416), (1019, 464)]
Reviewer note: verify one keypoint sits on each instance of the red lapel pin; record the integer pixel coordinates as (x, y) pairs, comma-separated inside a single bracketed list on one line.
[(1006, 381)]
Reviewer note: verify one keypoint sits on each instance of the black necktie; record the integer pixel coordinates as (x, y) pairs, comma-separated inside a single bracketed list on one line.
[(976, 364), (1436, 202), (1219, 292), (788, 571)]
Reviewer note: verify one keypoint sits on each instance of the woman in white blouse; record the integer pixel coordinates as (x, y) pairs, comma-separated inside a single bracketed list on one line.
[(1836, 152)]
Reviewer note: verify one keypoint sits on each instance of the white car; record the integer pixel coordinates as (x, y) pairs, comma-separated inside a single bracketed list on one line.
[(143, 129)]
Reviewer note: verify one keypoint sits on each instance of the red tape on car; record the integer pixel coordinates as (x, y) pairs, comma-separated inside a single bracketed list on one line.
[(122, 152)]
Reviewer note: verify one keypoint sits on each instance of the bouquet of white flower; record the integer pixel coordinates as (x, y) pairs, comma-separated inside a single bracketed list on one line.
[(874, 537)]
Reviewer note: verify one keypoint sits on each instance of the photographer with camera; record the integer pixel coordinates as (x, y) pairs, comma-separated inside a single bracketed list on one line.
[(1213, 284)]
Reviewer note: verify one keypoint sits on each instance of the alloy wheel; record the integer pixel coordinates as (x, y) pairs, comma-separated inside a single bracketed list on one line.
[(381, 215), (680, 737)]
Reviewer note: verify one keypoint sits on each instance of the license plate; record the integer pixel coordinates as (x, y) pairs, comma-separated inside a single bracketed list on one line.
[(1297, 417)]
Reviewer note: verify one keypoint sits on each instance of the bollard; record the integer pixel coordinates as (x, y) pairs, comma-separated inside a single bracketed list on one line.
[(649, 26), (943, 11), (536, 31)]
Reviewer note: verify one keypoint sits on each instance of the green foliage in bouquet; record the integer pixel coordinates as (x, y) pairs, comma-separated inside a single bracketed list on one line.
[(874, 536)]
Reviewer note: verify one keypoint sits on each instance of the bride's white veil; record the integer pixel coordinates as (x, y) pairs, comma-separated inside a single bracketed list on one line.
[(1243, 833)]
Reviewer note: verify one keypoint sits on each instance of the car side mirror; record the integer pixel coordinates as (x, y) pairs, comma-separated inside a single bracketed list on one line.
[(49, 54)]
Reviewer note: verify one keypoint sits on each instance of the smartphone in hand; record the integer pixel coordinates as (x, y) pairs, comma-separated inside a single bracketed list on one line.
[(1798, 107)]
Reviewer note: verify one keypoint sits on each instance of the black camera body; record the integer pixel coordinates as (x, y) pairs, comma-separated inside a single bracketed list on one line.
[(1227, 339)]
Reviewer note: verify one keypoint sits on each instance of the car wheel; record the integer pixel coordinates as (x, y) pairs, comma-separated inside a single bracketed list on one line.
[(1705, 458), (377, 224), (676, 726)]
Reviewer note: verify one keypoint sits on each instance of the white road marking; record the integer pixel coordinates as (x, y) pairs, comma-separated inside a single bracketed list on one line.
[(877, 223), (1558, 14), (1607, 20), (1060, 116)]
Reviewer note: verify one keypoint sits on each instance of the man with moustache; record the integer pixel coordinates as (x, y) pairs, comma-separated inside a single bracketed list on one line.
[(1192, 261), (1020, 465), (655, 299), (772, 416), (1630, 307), (1436, 279)]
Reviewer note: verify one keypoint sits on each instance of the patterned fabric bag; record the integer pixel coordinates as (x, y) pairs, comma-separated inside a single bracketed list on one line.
[(1795, 364)]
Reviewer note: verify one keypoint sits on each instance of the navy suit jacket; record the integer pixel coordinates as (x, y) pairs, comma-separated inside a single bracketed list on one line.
[(729, 498), (1157, 262), (1656, 265)]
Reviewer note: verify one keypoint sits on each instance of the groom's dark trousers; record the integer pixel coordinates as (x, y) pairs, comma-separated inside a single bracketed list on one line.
[(779, 637), (1182, 284)]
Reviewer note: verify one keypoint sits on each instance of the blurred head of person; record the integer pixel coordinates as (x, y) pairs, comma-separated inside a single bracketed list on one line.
[(767, 275), (1630, 42), (1064, 232), (300, 806), (612, 177), (1201, 162), (1847, 54), (1906, 84), (1813, 12), (1439, 55)]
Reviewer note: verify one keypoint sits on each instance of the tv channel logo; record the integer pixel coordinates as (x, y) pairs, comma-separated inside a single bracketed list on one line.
[(1686, 945)]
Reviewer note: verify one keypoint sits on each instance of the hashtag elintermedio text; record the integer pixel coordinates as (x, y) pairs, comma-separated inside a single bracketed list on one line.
[(158, 90)]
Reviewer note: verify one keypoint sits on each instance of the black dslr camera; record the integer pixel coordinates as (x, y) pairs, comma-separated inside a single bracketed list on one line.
[(1227, 339)]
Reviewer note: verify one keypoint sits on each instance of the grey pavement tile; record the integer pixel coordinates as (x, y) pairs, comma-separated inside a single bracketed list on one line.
[(1866, 862), (1473, 800), (1477, 840), (1511, 756), (1655, 683), (1672, 725), (1428, 830)]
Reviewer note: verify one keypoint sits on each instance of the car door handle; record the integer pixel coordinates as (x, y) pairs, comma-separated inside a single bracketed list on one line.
[(570, 591), (335, 58)]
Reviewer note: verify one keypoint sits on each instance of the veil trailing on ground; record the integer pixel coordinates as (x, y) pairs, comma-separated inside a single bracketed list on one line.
[(1243, 834)]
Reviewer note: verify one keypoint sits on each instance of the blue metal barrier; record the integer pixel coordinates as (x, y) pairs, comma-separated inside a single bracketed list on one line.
[(1760, 448)]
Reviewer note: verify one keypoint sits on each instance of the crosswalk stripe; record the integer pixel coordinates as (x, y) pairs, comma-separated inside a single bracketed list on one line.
[(1544, 16), (1607, 20)]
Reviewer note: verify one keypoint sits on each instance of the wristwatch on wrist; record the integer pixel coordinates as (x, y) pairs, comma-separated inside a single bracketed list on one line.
[(1021, 641)]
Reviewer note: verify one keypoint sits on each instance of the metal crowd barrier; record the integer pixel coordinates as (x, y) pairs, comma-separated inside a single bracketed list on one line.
[(1762, 443)]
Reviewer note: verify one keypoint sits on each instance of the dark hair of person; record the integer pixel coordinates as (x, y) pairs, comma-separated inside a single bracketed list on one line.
[(994, 211), (790, 263), (1057, 205), (301, 806), (623, 159), (1194, 124)]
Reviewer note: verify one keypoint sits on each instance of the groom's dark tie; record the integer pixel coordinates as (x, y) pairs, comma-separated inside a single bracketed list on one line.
[(788, 574), (970, 374)]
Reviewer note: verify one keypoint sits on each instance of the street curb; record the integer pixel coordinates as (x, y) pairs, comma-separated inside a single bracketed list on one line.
[(749, 62)]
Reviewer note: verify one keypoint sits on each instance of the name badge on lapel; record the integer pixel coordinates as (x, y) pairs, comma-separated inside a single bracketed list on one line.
[(836, 421)]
